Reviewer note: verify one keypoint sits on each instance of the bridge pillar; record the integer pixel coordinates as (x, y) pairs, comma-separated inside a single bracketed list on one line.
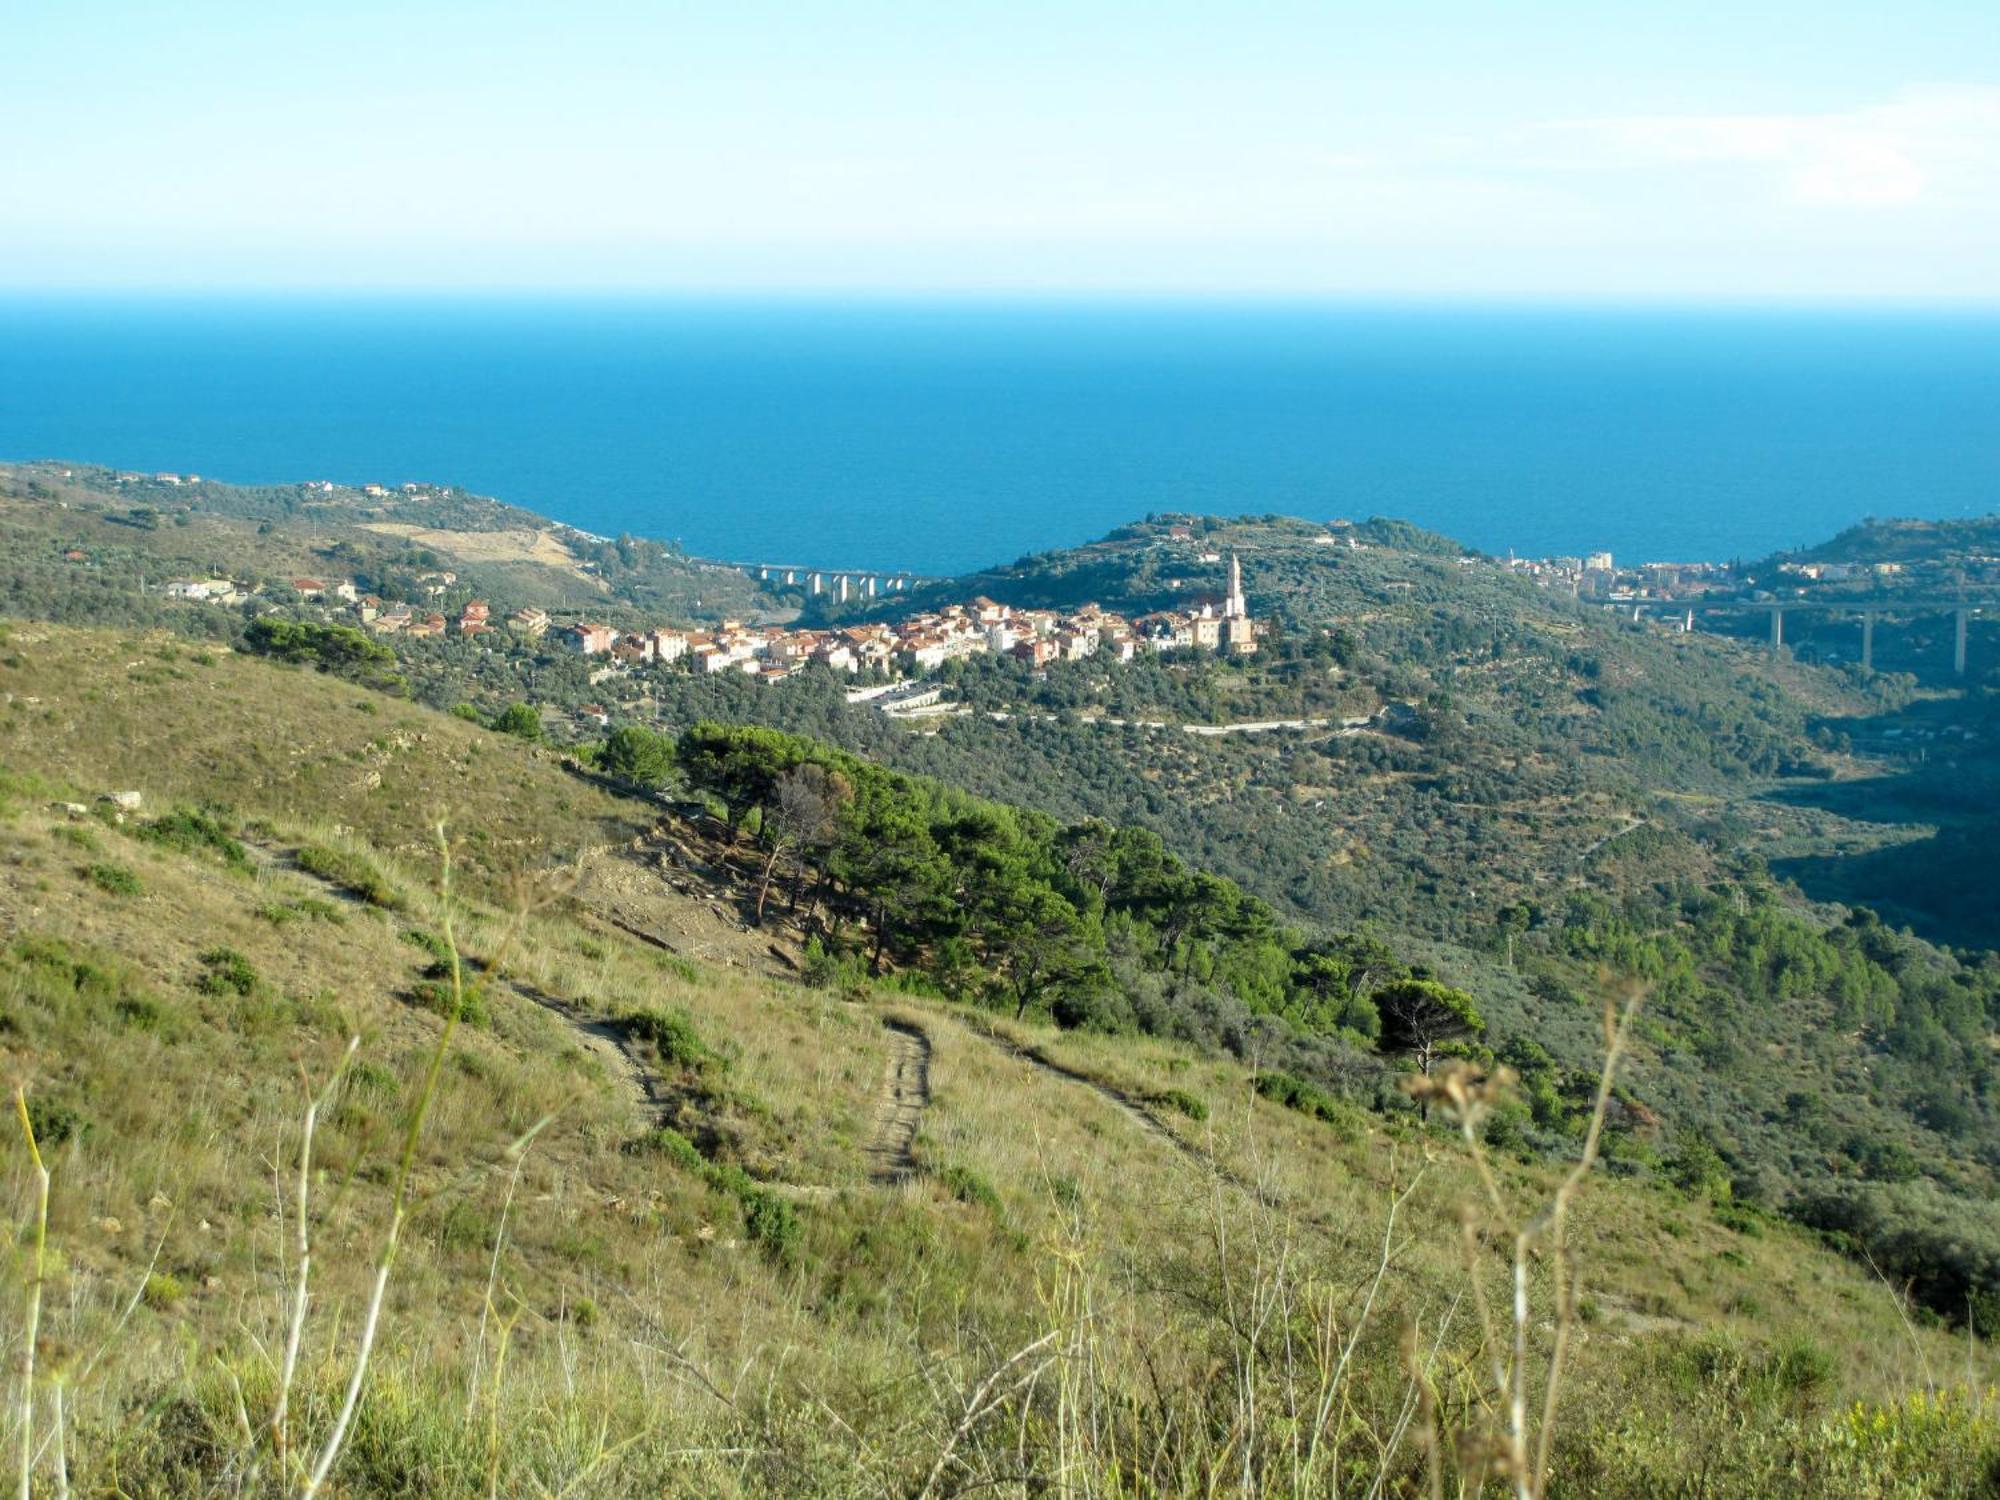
[(763, 575), (840, 587), (1868, 640), (791, 575), (871, 586), (1777, 630), (817, 582), (1687, 625), (1958, 640)]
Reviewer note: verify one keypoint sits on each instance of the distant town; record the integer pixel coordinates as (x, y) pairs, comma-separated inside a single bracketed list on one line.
[(891, 649), (1597, 576), (907, 647)]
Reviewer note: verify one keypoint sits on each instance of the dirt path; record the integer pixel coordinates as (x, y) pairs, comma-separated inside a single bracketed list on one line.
[(1138, 1111), (1125, 1103), (905, 1094), (1631, 822), (610, 1043)]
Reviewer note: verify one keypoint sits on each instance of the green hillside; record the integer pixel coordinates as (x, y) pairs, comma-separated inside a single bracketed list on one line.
[(681, 1223), (81, 544), (1912, 540)]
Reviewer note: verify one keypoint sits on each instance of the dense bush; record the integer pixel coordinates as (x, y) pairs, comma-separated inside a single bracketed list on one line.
[(226, 972), (672, 1034), (1945, 1249), (339, 649), (113, 880), (197, 832)]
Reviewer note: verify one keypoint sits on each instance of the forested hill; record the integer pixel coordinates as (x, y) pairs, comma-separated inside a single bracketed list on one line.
[(93, 545), (1298, 568), (1432, 623), (1909, 540)]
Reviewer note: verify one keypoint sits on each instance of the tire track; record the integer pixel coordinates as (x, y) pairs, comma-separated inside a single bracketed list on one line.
[(900, 1106), (608, 1041), (1137, 1110)]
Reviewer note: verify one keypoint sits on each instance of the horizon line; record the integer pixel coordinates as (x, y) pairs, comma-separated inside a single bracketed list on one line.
[(863, 296)]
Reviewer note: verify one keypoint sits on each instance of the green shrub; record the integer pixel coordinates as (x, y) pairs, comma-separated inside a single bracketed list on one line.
[(113, 880), (55, 1122), (435, 996), (141, 1011), (367, 1079), (675, 1147), (1944, 1248), (772, 1225), (1798, 1366), (821, 969), (673, 1036), (192, 832), (340, 649), (162, 1291), (1745, 1221), (1308, 1099), (278, 913), (428, 942), (519, 720), (226, 972), (638, 757), (770, 1221), (968, 1187), (464, 1226), (79, 836), (440, 952), (352, 873)]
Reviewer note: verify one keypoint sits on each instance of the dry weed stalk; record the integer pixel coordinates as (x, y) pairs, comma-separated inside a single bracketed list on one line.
[(302, 1272), (33, 1331), (1519, 1451), (313, 1479)]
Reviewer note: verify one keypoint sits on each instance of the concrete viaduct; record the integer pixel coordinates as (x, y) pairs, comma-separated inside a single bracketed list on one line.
[(841, 584), (1960, 607)]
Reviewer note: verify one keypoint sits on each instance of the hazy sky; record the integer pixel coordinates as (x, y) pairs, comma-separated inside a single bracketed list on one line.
[(1597, 148)]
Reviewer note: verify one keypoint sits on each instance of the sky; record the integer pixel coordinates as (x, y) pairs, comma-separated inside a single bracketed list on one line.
[(1588, 149)]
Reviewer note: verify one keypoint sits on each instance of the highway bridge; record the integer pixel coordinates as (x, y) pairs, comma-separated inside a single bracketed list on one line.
[(1961, 607), (841, 584)]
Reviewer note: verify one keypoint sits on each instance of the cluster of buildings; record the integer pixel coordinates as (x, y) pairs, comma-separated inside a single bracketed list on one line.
[(162, 478), (923, 642), (1597, 576), (910, 647)]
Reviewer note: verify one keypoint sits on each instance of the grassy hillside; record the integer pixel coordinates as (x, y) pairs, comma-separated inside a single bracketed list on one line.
[(78, 543), (679, 1224)]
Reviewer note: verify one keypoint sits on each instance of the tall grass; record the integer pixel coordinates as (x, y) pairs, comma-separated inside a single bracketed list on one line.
[(1066, 1305)]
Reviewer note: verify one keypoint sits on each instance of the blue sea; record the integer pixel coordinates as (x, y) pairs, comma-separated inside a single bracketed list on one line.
[(943, 436)]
